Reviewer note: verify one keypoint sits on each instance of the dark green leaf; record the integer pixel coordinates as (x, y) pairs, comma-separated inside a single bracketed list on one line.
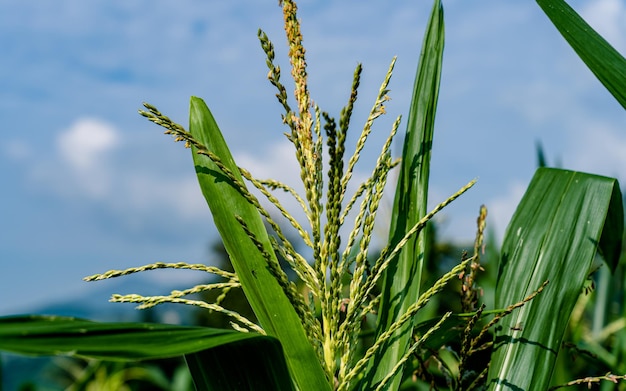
[(56, 335), (257, 364), (602, 59), (561, 222)]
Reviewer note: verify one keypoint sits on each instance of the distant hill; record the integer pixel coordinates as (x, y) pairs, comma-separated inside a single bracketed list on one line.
[(93, 303)]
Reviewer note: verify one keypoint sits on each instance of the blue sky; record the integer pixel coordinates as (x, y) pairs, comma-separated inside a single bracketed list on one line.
[(88, 185)]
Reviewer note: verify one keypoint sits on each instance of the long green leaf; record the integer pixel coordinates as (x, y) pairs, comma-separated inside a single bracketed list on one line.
[(562, 220), (402, 278), (57, 335), (602, 59), (218, 359), (270, 304)]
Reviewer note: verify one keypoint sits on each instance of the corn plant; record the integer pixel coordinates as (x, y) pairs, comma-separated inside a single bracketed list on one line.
[(313, 336)]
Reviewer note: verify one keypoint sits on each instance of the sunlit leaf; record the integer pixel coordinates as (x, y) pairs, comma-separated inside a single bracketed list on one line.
[(270, 304)]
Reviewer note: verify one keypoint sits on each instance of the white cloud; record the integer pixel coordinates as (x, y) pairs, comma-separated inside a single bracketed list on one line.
[(91, 164), (85, 143), (82, 160)]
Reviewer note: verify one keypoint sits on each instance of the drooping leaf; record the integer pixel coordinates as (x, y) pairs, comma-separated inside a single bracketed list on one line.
[(602, 59), (564, 218), (402, 278), (218, 359), (57, 335), (266, 297)]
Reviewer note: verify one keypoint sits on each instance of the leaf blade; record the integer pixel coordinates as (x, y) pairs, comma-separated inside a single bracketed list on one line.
[(553, 236), (402, 278), (57, 335), (217, 359), (270, 304), (600, 57)]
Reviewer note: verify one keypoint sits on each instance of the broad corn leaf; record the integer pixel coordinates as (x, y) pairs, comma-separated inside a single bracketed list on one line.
[(564, 218)]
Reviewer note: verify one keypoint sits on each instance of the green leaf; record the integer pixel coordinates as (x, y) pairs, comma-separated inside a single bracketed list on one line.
[(218, 359), (402, 278), (266, 297), (257, 364), (57, 335), (602, 59), (561, 222)]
